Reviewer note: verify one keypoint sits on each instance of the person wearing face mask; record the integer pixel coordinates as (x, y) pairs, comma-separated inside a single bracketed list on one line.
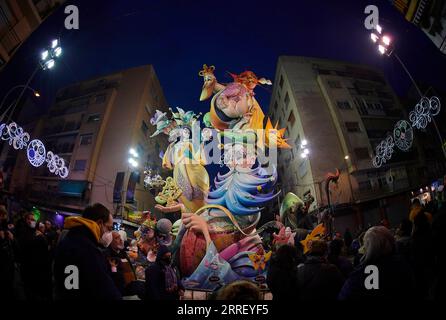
[(82, 248), (162, 278), (121, 269), (34, 260)]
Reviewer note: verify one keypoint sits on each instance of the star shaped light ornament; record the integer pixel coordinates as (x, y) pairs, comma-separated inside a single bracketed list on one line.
[(275, 136)]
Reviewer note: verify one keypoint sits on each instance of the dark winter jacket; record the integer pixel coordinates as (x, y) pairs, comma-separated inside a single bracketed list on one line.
[(155, 280), (395, 281), (318, 279), (80, 248), (282, 281)]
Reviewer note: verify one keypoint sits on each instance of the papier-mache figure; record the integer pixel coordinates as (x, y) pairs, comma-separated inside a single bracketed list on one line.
[(217, 240), (233, 105)]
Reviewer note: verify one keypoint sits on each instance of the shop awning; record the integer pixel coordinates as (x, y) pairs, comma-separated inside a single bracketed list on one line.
[(72, 188)]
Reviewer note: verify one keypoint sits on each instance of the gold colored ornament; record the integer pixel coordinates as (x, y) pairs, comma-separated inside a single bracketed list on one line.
[(170, 193)]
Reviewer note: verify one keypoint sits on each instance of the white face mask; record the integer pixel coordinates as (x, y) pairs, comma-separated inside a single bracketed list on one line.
[(32, 224), (106, 239)]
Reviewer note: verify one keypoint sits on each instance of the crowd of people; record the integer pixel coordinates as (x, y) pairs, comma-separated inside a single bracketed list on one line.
[(88, 259), (409, 259)]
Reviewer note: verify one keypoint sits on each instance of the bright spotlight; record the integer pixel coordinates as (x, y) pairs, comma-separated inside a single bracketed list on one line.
[(378, 28), (45, 55), (58, 51), (54, 44), (381, 49), (49, 64)]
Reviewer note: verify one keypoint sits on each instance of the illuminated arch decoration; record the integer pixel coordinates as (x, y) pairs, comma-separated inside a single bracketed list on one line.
[(419, 118), (36, 153), (403, 135), (35, 149)]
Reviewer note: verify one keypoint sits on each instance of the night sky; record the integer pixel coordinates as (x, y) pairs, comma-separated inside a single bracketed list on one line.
[(177, 37)]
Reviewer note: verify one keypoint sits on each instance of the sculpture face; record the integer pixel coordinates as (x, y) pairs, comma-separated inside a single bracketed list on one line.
[(233, 101)]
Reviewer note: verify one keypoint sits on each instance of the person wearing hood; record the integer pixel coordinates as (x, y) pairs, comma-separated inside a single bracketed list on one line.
[(162, 278), (81, 250)]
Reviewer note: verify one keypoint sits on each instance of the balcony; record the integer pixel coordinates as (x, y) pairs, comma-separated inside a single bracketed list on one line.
[(365, 194), (62, 129)]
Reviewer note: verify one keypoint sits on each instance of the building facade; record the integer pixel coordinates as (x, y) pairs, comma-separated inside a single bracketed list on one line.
[(343, 111), (18, 19), (92, 125)]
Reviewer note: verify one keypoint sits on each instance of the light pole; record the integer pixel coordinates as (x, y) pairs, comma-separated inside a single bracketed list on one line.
[(385, 46), (47, 61), (346, 158), (35, 92)]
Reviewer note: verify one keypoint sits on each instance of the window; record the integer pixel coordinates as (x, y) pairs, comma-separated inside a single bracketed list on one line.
[(281, 82), (291, 119), (287, 100), (275, 105), (144, 127), (365, 185), (344, 105), (86, 139), (100, 98), (378, 106), (370, 106), (70, 126), (362, 153), (361, 107), (94, 117), (79, 165), (352, 127), (81, 102), (334, 84)]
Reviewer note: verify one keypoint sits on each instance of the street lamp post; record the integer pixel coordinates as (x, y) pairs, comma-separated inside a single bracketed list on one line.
[(47, 61), (385, 46), (346, 158), (35, 92)]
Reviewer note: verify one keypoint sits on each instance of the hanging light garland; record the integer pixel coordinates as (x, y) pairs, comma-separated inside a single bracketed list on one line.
[(35, 149), (402, 137)]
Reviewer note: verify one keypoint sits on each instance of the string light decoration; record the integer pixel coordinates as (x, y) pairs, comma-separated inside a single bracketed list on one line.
[(35, 150), (14, 135), (403, 135), (419, 118), (36, 153), (56, 165), (422, 115), (384, 152)]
